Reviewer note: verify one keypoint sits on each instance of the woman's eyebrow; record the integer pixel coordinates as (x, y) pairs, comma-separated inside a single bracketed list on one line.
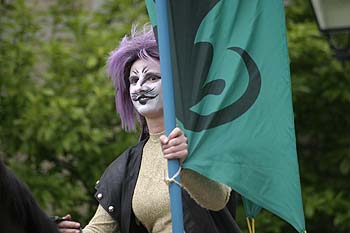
[(152, 73), (133, 76), (144, 70)]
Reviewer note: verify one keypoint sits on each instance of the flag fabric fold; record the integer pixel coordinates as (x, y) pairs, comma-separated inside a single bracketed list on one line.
[(233, 99)]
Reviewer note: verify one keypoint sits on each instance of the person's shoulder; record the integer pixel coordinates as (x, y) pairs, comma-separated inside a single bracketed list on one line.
[(117, 169), (131, 151)]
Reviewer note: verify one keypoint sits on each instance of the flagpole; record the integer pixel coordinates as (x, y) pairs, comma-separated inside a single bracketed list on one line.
[(169, 110)]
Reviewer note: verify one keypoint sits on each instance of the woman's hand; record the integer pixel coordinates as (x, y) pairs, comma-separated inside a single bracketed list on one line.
[(68, 226), (175, 145)]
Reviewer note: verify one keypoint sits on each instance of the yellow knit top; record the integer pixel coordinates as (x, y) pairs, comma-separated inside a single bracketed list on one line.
[(151, 202)]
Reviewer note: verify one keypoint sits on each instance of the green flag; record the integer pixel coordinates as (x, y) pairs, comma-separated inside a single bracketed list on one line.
[(233, 99)]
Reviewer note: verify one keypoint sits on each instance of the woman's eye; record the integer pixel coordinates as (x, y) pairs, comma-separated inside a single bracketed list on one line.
[(133, 80), (154, 78)]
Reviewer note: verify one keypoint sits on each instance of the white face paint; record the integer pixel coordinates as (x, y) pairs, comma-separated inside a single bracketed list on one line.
[(146, 88)]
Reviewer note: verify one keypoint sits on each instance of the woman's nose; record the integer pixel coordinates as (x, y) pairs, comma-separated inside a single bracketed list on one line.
[(141, 86)]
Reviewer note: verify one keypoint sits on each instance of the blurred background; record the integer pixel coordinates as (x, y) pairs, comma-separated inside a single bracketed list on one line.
[(59, 129)]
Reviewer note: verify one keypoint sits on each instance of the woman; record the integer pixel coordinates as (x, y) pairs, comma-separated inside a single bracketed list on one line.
[(132, 193)]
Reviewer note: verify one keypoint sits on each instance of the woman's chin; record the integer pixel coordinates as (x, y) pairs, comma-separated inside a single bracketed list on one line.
[(151, 113)]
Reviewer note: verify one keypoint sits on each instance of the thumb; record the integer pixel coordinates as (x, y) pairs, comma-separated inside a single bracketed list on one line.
[(164, 139), (67, 217)]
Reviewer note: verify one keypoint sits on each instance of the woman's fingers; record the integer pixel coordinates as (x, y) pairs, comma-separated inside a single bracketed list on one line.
[(69, 231), (176, 137), (174, 142), (67, 217), (174, 149), (163, 140), (68, 226), (177, 132), (177, 155), (175, 145)]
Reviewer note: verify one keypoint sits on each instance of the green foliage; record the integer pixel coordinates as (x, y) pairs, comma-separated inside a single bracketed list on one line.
[(322, 107), (59, 129)]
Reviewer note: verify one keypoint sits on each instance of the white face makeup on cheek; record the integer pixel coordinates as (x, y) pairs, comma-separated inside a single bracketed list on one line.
[(146, 88)]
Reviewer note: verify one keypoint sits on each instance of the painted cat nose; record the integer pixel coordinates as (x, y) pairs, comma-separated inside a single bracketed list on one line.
[(143, 88)]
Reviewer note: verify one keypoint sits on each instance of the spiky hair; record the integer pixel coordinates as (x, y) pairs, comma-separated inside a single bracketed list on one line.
[(139, 45)]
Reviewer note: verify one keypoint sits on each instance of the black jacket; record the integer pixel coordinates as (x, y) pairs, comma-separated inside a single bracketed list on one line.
[(115, 191)]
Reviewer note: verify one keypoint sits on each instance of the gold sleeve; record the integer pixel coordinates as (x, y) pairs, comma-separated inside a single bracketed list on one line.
[(101, 222), (207, 193)]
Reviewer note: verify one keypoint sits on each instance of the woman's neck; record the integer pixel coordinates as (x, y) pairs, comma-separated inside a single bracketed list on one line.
[(155, 125)]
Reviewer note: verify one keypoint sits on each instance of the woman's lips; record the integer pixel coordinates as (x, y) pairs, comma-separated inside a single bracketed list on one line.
[(142, 99)]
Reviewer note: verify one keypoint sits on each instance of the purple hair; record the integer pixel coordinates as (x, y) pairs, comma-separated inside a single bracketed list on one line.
[(140, 45)]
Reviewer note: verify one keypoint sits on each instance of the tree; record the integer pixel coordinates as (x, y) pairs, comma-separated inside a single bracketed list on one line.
[(322, 106), (59, 129)]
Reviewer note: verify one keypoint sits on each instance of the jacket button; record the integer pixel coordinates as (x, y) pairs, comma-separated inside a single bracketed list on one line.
[(99, 196), (97, 182), (111, 208)]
